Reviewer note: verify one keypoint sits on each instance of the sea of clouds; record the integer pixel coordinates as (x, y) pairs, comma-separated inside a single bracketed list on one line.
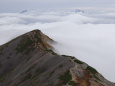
[(88, 36)]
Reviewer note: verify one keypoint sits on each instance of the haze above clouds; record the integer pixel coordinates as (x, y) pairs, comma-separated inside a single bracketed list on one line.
[(18, 5)]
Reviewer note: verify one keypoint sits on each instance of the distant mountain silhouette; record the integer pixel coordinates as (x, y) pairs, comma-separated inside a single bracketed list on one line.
[(77, 11), (24, 11)]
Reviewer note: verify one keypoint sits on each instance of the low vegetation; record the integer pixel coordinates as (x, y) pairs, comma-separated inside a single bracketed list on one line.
[(60, 66), (66, 77), (96, 77), (52, 72), (72, 83), (92, 70), (25, 45), (0, 65), (28, 76), (2, 77), (78, 61)]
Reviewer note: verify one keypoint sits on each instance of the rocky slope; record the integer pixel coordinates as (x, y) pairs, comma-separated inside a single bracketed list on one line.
[(29, 61)]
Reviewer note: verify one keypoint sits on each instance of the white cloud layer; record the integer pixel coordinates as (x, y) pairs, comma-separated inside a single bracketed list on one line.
[(87, 36)]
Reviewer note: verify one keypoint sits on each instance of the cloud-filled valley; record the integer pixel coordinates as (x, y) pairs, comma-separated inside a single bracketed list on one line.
[(87, 36)]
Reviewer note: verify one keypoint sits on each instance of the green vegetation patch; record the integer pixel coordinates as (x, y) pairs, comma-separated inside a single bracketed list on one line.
[(66, 77), (25, 45), (28, 76), (96, 81), (72, 57), (8, 57), (1, 53), (96, 77), (0, 65), (60, 66), (78, 61), (1, 49), (38, 72), (52, 72), (38, 37), (65, 56), (92, 70), (51, 51), (10, 54), (30, 69), (72, 83), (69, 56), (2, 77)]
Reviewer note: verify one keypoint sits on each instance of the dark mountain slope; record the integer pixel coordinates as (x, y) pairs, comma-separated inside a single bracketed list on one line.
[(29, 61)]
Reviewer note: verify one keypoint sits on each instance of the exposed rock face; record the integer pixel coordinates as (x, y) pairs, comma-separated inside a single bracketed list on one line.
[(29, 61)]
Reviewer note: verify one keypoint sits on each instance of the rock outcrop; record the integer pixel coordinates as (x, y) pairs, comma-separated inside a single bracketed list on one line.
[(28, 60)]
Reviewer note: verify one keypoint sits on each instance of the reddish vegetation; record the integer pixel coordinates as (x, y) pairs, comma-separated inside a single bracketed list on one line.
[(85, 80)]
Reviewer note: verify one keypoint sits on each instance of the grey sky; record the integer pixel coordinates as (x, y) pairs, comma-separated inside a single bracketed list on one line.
[(18, 5)]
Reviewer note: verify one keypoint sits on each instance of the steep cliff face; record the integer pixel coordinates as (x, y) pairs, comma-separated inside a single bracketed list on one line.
[(28, 60)]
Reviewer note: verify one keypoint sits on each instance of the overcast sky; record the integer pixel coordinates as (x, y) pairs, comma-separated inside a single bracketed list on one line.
[(19, 5)]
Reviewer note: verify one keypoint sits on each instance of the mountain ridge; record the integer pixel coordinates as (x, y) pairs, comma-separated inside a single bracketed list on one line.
[(29, 60)]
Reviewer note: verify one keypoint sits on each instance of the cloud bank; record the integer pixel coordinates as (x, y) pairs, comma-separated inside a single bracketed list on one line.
[(87, 36)]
